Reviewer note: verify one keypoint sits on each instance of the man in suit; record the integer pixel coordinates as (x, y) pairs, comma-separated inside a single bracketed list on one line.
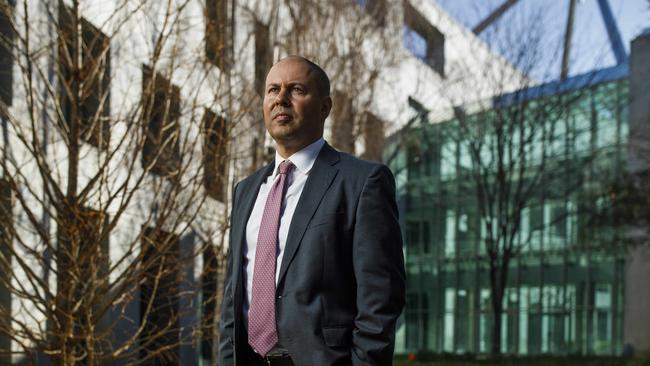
[(315, 272)]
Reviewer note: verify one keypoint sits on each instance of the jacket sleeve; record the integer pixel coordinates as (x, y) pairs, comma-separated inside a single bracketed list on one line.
[(227, 319), (379, 270)]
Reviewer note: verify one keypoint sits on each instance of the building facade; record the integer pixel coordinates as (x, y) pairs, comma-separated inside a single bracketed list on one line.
[(569, 287)]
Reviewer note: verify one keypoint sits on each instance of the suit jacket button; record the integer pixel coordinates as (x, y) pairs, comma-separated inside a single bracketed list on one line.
[(279, 297)]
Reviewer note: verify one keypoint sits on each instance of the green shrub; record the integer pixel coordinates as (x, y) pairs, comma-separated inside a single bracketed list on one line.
[(429, 359), (642, 360)]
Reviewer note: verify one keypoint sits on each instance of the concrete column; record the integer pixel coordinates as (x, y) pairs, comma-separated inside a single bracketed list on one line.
[(637, 271), (640, 103)]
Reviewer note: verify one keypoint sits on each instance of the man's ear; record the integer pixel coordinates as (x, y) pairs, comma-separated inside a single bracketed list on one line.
[(326, 107)]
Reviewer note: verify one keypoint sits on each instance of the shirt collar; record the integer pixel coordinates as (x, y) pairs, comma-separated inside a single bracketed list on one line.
[(303, 159)]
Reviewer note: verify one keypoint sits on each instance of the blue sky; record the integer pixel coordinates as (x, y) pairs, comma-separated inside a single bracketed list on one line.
[(547, 19)]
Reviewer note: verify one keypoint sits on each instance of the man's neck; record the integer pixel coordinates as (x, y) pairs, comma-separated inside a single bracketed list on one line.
[(285, 151)]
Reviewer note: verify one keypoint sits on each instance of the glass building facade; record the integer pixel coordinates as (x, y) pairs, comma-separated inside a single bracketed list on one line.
[(564, 293)]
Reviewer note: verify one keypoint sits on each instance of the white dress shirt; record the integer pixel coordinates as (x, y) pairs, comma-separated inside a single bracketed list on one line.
[(304, 161)]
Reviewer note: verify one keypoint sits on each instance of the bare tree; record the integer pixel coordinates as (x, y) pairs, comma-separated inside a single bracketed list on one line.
[(109, 184), (105, 181), (512, 166)]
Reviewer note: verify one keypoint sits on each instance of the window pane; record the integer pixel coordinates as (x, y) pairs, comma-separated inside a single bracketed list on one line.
[(450, 296), (450, 237)]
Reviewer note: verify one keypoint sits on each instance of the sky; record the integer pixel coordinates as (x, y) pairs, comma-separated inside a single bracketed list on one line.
[(590, 48)]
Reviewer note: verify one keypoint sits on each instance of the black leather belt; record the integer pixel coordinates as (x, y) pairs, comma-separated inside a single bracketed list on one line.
[(275, 360)]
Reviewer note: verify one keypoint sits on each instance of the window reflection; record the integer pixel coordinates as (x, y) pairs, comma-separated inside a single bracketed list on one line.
[(565, 292)]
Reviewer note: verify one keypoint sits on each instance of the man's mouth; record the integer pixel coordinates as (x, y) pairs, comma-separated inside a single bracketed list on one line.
[(281, 116)]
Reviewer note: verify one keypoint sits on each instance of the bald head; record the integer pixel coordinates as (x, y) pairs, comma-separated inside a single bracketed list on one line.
[(315, 71), (296, 103)]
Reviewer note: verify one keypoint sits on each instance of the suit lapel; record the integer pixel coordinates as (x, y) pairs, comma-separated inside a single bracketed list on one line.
[(319, 180), (246, 202)]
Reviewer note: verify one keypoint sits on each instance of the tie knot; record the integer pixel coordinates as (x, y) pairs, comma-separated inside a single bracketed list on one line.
[(285, 167)]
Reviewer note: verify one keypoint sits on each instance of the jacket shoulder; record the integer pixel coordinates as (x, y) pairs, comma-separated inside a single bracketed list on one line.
[(359, 166), (248, 182), (251, 178)]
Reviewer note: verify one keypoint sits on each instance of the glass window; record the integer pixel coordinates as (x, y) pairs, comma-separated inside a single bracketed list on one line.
[(417, 321), (625, 127), (536, 226), (464, 236), (487, 152), (450, 234), (463, 321), (448, 160), (552, 319), (558, 223), (557, 136), (534, 321), (465, 159), (426, 236), (602, 319), (509, 321), (208, 297), (263, 55), (159, 294), (216, 26), (606, 126), (523, 320), (572, 307), (6, 52), (92, 78), (535, 148), (215, 139), (6, 248), (581, 132), (572, 222), (413, 237), (162, 109), (412, 321), (450, 306), (485, 320), (462, 223)]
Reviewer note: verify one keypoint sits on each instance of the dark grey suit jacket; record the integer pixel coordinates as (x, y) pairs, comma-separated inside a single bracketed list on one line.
[(342, 284)]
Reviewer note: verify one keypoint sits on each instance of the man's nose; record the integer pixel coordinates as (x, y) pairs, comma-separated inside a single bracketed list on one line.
[(282, 97)]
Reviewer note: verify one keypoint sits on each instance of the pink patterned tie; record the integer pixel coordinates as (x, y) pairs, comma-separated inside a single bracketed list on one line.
[(262, 332)]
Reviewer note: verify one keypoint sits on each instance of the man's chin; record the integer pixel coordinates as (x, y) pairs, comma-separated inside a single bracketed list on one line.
[(282, 134)]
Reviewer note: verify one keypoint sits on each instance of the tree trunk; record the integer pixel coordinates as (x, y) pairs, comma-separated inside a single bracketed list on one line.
[(498, 281), (497, 313)]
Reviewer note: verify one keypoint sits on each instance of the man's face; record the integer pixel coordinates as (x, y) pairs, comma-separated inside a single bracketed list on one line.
[(294, 110)]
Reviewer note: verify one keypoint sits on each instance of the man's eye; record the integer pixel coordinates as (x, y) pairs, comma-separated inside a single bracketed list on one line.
[(272, 89), (298, 90)]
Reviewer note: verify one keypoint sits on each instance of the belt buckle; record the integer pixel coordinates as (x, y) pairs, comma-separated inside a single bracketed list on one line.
[(274, 357)]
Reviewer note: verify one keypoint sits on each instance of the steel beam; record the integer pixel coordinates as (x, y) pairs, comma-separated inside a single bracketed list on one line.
[(568, 35), (496, 14), (613, 33)]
